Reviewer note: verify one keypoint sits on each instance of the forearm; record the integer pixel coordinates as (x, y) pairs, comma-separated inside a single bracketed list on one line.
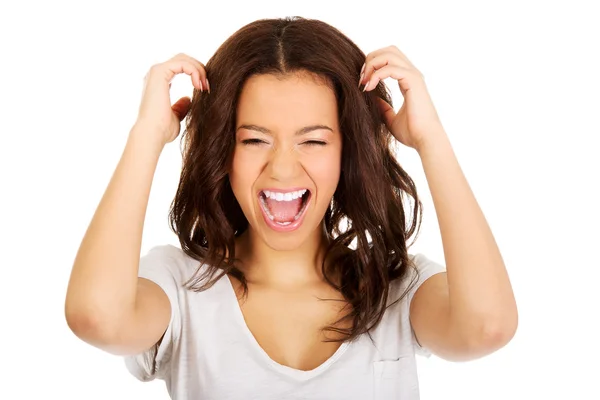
[(103, 280), (480, 293)]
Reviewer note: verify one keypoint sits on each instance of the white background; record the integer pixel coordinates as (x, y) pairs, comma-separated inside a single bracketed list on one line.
[(516, 84)]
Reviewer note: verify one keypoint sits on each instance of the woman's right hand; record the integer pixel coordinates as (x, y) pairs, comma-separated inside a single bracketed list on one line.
[(156, 110)]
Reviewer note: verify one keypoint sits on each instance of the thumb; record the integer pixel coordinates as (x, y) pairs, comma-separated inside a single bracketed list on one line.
[(181, 107), (387, 112)]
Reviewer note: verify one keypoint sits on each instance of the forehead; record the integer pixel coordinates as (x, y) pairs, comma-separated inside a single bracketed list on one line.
[(293, 99)]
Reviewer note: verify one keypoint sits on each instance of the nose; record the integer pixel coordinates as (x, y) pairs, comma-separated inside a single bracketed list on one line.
[(284, 165)]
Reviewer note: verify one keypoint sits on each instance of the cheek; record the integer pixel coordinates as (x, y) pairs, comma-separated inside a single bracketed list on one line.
[(325, 171), (245, 168)]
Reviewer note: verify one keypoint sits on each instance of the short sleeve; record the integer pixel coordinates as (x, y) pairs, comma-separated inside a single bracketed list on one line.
[(160, 266), (425, 269)]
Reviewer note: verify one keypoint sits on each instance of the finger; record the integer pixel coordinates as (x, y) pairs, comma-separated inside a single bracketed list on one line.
[(392, 50), (387, 112), (376, 53), (181, 107), (175, 67), (198, 65), (402, 75), (378, 58), (201, 68), (380, 61), (368, 58), (395, 50)]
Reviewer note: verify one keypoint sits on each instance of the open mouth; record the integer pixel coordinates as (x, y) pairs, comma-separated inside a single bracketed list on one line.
[(284, 208)]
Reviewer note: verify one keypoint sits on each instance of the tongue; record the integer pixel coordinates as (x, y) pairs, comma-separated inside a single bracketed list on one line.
[(284, 211)]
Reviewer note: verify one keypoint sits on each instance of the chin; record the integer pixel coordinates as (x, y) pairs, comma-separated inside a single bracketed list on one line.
[(279, 242)]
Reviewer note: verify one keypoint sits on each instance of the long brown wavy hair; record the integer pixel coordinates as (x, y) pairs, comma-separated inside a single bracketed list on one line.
[(366, 213)]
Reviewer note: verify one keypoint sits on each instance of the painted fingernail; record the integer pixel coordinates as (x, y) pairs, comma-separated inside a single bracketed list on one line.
[(366, 85), (362, 70), (362, 75), (207, 85), (201, 87)]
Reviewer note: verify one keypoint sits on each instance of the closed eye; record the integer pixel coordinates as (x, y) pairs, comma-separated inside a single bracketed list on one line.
[(314, 143), (259, 141), (253, 141)]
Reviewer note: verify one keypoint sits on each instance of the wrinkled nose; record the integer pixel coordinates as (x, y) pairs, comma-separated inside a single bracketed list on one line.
[(284, 165)]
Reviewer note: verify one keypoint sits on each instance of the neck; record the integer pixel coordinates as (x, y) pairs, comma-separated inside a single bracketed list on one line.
[(294, 268)]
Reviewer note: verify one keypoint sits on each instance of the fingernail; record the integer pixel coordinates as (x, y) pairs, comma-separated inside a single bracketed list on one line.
[(366, 85), (362, 75), (207, 85), (201, 87), (362, 70)]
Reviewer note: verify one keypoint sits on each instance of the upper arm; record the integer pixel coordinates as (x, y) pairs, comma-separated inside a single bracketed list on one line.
[(130, 330), (429, 317), (434, 328), (157, 324), (156, 307), (148, 323)]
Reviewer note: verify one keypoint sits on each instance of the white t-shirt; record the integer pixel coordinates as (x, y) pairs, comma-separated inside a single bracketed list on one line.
[(208, 352)]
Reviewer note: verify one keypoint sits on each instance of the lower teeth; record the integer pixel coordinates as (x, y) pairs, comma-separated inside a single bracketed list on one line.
[(272, 218)]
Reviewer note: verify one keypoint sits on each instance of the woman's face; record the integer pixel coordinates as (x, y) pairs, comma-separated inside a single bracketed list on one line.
[(287, 157)]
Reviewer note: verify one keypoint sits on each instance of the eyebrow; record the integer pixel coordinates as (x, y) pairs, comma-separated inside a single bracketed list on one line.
[(299, 132)]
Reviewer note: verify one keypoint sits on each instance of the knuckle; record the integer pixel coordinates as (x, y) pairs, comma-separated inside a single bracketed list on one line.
[(417, 73), (157, 70), (153, 69)]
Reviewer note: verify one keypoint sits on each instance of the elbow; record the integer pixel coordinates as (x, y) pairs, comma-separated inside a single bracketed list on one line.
[(491, 335), (495, 336), (91, 327)]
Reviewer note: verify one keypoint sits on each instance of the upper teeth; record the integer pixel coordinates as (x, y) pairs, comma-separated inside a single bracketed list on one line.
[(289, 196)]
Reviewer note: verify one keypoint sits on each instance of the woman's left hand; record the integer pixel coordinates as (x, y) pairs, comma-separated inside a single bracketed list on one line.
[(417, 120)]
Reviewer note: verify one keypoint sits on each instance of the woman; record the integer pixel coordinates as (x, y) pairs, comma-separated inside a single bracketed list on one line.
[(293, 280)]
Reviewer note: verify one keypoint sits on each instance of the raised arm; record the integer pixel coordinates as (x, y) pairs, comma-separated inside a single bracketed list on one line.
[(470, 311), (107, 305)]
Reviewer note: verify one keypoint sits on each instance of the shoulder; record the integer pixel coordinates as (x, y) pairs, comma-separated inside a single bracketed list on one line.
[(425, 267), (172, 269), (420, 269), (164, 252), (396, 321), (169, 260)]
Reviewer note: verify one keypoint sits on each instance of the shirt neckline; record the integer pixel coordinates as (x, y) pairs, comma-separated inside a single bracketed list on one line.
[(294, 373)]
